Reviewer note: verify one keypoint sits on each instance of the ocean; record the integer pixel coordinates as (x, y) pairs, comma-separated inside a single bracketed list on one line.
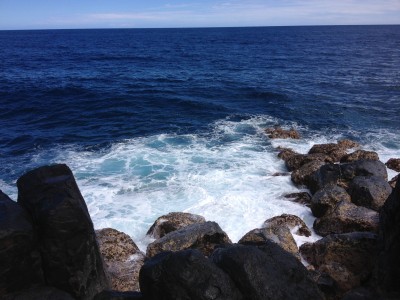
[(158, 120)]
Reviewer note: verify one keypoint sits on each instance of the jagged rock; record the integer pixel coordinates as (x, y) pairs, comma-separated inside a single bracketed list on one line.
[(296, 161), (290, 221), (347, 258), (122, 258), (335, 151), (20, 263), (201, 236), (173, 221), (370, 192), (266, 272), (39, 293), (116, 295), (389, 244), (286, 153), (393, 164), (279, 133), (392, 182), (278, 234), (358, 155), (347, 217), (347, 144), (327, 198), (305, 174), (70, 254), (301, 197), (185, 274)]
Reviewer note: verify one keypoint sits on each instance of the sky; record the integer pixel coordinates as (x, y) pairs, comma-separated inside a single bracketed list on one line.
[(59, 14)]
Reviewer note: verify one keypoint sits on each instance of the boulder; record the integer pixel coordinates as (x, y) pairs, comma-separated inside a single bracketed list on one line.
[(19, 255), (305, 174), (173, 221), (347, 217), (201, 236), (393, 164), (358, 155), (347, 144), (185, 274), (347, 258), (370, 192), (116, 295), (266, 272), (290, 221), (68, 246), (361, 293), (39, 293), (122, 259), (279, 133), (325, 283), (334, 151), (364, 168), (326, 175), (296, 161), (327, 198), (392, 182), (286, 153), (301, 198)]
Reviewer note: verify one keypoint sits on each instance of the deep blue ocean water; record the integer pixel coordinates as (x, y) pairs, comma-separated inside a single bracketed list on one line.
[(157, 120)]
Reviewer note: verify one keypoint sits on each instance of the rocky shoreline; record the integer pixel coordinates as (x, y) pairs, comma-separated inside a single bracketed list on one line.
[(50, 250)]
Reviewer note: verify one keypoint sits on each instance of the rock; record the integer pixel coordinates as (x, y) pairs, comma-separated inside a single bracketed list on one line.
[(68, 247), (363, 168), (347, 217), (266, 272), (281, 174), (305, 174), (325, 283), (116, 295), (290, 221), (326, 175), (286, 153), (333, 150), (347, 258), (173, 221), (122, 258), (296, 161), (370, 192), (327, 198), (201, 236), (358, 155), (19, 256), (277, 234), (360, 294), (392, 182), (301, 197), (39, 293), (389, 244), (347, 144), (185, 274), (393, 164), (279, 133)]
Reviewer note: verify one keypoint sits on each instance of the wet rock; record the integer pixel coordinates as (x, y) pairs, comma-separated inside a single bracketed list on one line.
[(286, 153), (334, 151), (185, 274), (325, 283), (296, 161), (326, 175), (281, 174), (347, 144), (347, 258), (20, 263), (392, 182), (393, 164), (70, 254), (171, 222), (327, 198), (266, 272), (201, 236), (370, 192), (305, 174), (363, 168), (116, 295), (122, 258), (301, 197), (39, 293), (358, 155), (279, 133), (290, 221), (347, 217), (361, 294)]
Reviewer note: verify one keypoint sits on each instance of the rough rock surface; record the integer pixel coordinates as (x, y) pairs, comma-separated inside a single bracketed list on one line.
[(347, 144), (392, 182), (393, 164), (279, 133), (290, 221), (334, 151), (301, 197), (70, 255), (185, 274), (305, 174), (266, 272), (347, 217), (20, 263), (364, 168), (348, 258), (173, 221), (201, 236), (116, 295), (286, 153), (39, 293), (370, 192), (122, 258), (296, 161), (327, 198), (358, 155)]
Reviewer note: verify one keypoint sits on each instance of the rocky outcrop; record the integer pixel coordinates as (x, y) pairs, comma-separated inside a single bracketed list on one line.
[(347, 144), (185, 274), (359, 155), (116, 295), (393, 164), (286, 153), (334, 151), (70, 254), (349, 258), (327, 198), (305, 174), (122, 258), (20, 262), (392, 182), (201, 236), (39, 293), (173, 221), (292, 222), (347, 217), (301, 198), (266, 272), (296, 161), (279, 133)]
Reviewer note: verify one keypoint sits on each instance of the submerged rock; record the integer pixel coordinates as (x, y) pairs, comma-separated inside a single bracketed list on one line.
[(279, 133), (327, 198), (393, 164)]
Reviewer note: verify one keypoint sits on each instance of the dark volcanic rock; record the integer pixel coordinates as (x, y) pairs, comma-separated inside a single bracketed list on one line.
[(394, 164), (370, 192), (291, 222), (327, 198), (296, 161), (358, 155), (347, 217), (185, 275), (279, 133), (305, 174), (348, 258), (329, 174), (392, 182), (115, 295), (286, 153), (173, 221), (69, 251), (122, 258), (364, 168), (347, 144), (335, 151), (201, 236), (20, 263), (325, 283), (266, 272), (39, 293), (301, 197)]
